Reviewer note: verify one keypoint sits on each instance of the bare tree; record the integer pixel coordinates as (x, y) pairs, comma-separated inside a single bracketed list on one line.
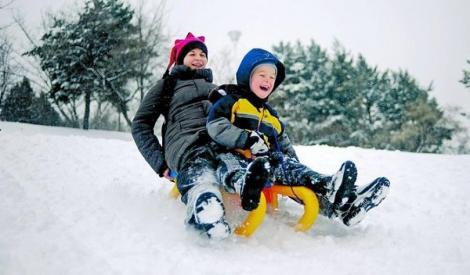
[(151, 40), (5, 67), (29, 66), (224, 61), (4, 4), (150, 43), (148, 46)]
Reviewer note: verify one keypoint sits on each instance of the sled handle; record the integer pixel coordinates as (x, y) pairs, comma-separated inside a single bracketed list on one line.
[(309, 199)]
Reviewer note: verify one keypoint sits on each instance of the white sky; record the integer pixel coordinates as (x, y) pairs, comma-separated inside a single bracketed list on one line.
[(430, 39)]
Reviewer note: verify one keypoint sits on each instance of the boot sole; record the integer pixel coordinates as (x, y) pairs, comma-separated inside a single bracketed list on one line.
[(254, 184), (368, 198), (348, 180)]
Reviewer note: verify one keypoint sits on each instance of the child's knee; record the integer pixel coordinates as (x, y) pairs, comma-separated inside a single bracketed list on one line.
[(193, 177)]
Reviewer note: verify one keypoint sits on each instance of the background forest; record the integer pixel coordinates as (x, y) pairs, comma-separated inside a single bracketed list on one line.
[(90, 69)]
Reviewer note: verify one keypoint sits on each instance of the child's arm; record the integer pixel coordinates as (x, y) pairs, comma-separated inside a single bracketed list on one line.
[(142, 129), (219, 127)]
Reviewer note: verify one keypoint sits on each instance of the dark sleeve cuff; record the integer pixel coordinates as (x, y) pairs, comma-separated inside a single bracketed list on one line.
[(162, 169)]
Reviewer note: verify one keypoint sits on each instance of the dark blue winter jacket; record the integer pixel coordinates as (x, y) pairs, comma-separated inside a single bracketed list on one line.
[(233, 117)]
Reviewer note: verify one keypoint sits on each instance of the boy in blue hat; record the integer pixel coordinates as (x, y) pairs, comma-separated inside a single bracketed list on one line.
[(258, 148)]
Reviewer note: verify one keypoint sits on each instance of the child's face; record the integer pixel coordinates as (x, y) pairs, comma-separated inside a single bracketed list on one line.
[(195, 59), (262, 81)]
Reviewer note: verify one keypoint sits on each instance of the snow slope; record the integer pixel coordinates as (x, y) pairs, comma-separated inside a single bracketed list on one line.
[(77, 202)]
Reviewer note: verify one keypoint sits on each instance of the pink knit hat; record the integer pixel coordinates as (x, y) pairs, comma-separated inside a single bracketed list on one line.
[(183, 46)]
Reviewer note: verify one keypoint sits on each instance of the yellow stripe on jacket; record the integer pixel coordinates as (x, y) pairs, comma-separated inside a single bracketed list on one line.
[(243, 112)]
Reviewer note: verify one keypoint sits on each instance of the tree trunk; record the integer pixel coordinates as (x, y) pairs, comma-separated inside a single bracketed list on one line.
[(2, 94), (5, 79), (123, 108), (119, 122), (141, 58), (68, 120), (96, 121), (86, 116)]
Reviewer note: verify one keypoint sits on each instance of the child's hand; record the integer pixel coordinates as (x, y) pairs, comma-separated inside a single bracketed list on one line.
[(166, 174), (257, 145)]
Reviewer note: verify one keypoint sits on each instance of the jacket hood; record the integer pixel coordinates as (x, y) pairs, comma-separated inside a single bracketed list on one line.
[(254, 58)]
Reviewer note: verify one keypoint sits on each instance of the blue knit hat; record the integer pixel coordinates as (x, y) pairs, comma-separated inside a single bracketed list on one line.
[(254, 58)]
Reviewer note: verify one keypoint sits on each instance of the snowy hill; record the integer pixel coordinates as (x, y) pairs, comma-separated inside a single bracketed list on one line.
[(76, 202)]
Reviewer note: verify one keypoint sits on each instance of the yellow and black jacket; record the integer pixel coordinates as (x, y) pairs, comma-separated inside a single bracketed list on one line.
[(233, 116)]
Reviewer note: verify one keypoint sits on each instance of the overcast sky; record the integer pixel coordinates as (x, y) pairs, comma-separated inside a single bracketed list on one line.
[(430, 39)]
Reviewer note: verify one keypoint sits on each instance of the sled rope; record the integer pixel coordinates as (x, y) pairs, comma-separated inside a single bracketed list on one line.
[(283, 168)]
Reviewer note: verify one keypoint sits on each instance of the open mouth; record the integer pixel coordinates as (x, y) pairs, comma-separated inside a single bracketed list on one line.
[(264, 88)]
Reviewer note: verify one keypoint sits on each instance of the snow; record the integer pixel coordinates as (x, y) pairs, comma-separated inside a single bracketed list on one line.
[(85, 202)]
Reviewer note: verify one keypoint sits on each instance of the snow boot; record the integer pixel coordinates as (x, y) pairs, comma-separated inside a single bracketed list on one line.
[(366, 198), (341, 184), (256, 176), (345, 180), (209, 216)]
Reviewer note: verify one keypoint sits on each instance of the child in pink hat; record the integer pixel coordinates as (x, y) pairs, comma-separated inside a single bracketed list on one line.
[(181, 96)]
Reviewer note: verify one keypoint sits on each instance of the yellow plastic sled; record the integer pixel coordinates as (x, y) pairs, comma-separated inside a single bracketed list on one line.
[(270, 196)]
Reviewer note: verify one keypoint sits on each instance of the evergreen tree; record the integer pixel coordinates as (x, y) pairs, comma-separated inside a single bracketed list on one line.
[(301, 100), (21, 105), (370, 86), (43, 113), (403, 90), (341, 105), (338, 101), (91, 58), (423, 131), (18, 104)]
